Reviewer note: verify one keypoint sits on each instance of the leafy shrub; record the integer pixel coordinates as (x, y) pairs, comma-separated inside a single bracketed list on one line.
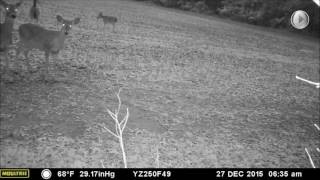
[(168, 3), (271, 13), (200, 7)]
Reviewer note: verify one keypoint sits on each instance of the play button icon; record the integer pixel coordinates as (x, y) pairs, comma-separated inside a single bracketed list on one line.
[(299, 19)]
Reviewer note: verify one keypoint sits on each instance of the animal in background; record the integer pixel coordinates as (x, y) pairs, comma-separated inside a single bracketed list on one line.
[(107, 20), (6, 27), (33, 36), (34, 12), (1, 13)]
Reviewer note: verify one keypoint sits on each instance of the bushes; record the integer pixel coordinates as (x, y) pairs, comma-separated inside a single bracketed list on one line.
[(200, 6), (188, 5), (168, 3), (270, 13)]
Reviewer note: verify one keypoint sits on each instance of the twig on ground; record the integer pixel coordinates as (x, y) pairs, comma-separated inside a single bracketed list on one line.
[(119, 125), (102, 164), (310, 82), (310, 159), (157, 158)]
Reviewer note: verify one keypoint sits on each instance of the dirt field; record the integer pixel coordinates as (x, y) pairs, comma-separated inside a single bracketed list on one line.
[(201, 91)]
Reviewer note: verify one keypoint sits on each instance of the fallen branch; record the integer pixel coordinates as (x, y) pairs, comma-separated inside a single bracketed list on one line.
[(310, 159), (310, 82), (119, 125)]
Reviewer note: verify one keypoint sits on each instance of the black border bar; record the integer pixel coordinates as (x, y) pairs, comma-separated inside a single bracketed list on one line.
[(161, 173)]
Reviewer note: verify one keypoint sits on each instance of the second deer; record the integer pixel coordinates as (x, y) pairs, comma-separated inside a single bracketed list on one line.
[(34, 11), (108, 20), (36, 37), (6, 28)]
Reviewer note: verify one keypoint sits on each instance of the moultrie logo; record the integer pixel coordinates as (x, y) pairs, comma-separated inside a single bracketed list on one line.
[(14, 173)]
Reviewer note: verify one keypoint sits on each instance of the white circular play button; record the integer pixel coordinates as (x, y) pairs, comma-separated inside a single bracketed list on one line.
[(299, 19)]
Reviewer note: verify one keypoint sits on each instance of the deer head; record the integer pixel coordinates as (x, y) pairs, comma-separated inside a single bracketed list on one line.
[(67, 24), (11, 10)]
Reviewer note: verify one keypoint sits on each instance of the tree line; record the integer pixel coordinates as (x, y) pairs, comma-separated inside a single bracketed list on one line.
[(269, 13)]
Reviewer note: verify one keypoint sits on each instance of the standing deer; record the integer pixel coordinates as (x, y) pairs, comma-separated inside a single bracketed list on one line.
[(34, 12), (107, 20), (36, 37), (6, 28), (1, 12)]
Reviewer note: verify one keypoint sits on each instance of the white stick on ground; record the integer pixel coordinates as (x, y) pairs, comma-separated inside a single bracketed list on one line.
[(310, 82), (119, 125), (102, 164), (310, 159), (317, 127), (157, 158)]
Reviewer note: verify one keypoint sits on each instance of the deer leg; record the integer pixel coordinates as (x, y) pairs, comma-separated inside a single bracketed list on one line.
[(6, 59), (113, 27), (25, 51), (26, 54), (18, 51), (97, 24), (47, 63)]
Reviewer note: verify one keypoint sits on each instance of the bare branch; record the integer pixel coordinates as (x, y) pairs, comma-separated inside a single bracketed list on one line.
[(310, 82), (310, 159), (119, 127), (125, 120), (157, 158), (117, 131), (119, 105), (111, 132), (114, 116), (102, 164)]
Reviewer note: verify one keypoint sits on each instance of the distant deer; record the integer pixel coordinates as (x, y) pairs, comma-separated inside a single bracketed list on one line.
[(107, 20), (34, 12), (1, 12), (58, 17), (6, 28), (36, 37)]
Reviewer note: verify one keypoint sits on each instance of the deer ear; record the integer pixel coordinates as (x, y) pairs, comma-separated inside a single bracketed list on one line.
[(18, 4), (59, 18), (76, 20), (2, 3)]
